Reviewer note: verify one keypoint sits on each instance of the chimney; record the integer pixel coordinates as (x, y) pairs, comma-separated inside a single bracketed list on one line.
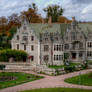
[(50, 20), (73, 19)]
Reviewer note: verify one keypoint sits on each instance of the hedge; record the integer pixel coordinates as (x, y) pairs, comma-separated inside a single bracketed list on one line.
[(18, 55), (69, 68), (2, 67)]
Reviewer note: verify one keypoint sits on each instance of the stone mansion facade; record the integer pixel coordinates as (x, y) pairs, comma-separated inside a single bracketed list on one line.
[(47, 43)]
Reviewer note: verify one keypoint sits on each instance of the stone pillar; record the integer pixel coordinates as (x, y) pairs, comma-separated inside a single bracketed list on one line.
[(77, 56)]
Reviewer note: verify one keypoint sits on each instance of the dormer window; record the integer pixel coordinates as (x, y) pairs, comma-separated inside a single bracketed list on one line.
[(17, 37)]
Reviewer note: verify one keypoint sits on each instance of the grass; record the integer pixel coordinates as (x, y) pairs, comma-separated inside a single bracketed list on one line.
[(85, 79), (61, 66), (90, 62), (20, 78), (58, 90)]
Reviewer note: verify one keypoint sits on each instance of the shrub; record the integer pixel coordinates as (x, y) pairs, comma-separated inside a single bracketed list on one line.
[(85, 65), (69, 68), (2, 67), (18, 55)]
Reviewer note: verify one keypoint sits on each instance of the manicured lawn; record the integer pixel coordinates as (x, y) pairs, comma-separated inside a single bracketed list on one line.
[(20, 78), (61, 66), (85, 79), (55, 66), (58, 90)]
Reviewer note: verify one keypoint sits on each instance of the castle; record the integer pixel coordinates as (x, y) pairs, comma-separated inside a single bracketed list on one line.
[(47, 43)]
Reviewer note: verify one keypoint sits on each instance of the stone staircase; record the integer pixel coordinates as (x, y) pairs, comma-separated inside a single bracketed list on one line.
[(17, 66)]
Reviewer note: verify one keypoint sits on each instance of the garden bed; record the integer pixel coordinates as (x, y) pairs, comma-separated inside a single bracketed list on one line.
[(15, 78), (62, 66)]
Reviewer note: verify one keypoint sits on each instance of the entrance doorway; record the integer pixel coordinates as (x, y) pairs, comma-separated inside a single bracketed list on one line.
[(73, 55)]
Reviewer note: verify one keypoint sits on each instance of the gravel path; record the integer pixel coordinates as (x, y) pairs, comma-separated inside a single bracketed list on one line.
[(48, 82)]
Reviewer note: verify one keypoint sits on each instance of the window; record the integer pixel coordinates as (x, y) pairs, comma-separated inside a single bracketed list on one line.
[(80, 54), (62, 48), (66, 46), (25, 38), (32, 58), (58, 57), (58, 47), (17, 37), (90, 44), (81, 45), (46, 39), (55, 47), (89, 53), (54, 57), (32, 38), (46, 48), (17, 46), (24, 47), (46, 57), (32, 48)]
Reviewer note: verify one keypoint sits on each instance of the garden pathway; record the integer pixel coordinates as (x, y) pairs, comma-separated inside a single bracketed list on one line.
[(48, 82)]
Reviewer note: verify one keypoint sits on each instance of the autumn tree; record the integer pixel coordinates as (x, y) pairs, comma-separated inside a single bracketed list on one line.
[(54, 11), (3, 20), (63, 19), (31, 14), (14, 20), (3, 24)]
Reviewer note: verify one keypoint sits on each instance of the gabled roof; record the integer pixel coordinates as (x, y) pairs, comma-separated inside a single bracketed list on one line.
[(56, 27)]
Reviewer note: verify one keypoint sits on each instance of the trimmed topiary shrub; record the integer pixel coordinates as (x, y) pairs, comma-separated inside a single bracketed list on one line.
[(18, 55)]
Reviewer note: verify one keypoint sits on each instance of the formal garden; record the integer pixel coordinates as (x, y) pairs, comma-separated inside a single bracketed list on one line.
[(70, 66), (57, 90), (81, 79), (8, 79)]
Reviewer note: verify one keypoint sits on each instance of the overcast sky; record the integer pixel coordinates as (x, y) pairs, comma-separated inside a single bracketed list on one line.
[(81, 9)]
